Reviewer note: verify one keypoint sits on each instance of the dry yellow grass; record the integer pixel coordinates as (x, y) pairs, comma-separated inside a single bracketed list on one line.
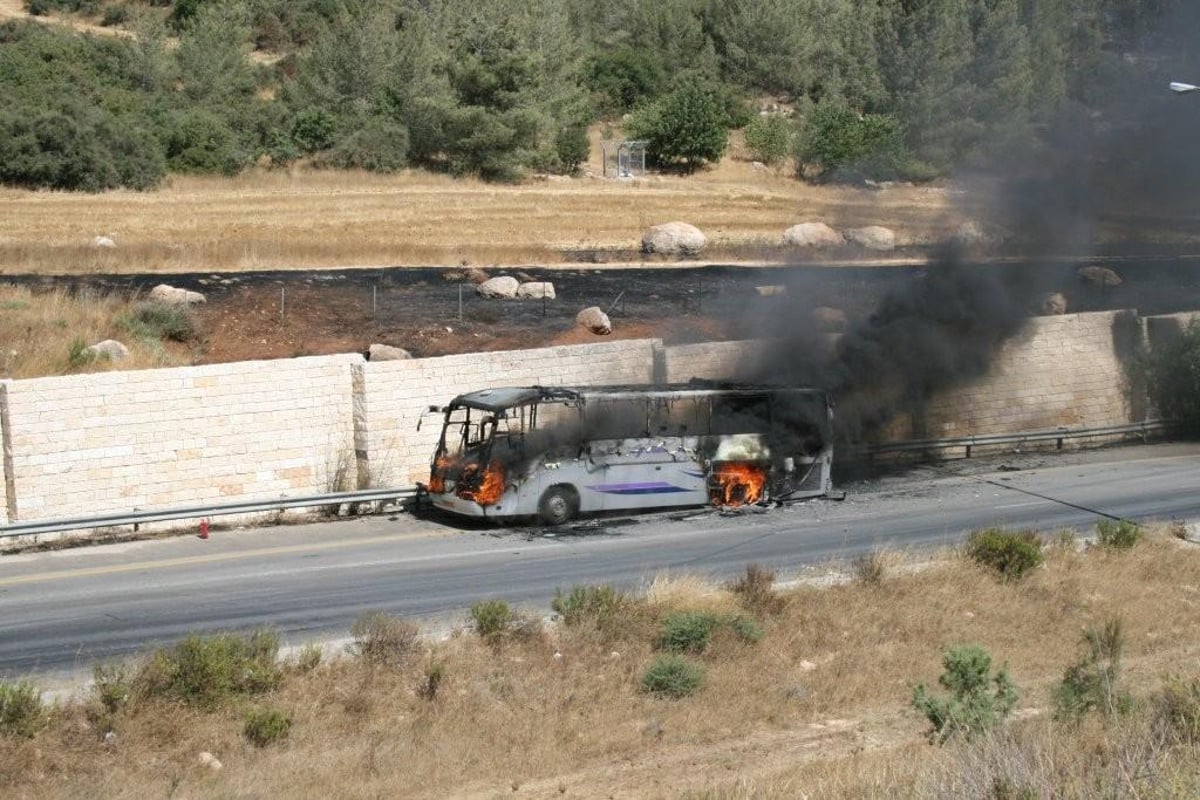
[(309, 218), (37, 331), (818, 708)]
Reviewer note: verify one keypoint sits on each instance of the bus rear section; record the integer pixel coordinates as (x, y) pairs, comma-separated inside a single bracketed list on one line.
[(556, 453)]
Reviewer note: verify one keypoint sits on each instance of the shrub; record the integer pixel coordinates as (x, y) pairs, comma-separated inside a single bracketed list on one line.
[(21, 710), (870, 567), (571, 147), (756, 590), (594, 605), (386, 640), (78, 354), (378, 145), (200, 141), (843, 145), (266, 726), (769, 139), (1091, 683), (112, 685), (1118, 534), (492, 618), (313, 129), (673, 676), (1172, 372), (746, 629), (1011, 554), (204, 671), (309, 657), (431, 683), (977, 700), (115, 15), (1177, 711), (153, 321), (687, 631), (688, 127)]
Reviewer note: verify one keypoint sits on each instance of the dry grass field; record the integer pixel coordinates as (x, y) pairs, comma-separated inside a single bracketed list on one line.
[(818, 707), (275, 219)]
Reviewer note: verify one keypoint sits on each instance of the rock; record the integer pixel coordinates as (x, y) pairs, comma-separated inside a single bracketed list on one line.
[(385, 352), (504, 286), (1053, 304), (110, 349), (674, 238), (207, 759), (525, 277), (103, 241), (1102, 277), (594, 320), (758, 166), (812, 234), (476, 275), (807, 666), (872, 237), (171, 296), (830, 319), (536, 290)]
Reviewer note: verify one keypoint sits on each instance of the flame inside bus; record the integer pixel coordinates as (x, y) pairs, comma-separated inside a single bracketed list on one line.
[(737, 483)]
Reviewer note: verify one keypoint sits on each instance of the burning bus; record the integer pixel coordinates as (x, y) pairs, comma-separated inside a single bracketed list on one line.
[(555, 452)]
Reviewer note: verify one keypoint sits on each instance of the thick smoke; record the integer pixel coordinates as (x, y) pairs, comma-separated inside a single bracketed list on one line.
[(1087, 177)]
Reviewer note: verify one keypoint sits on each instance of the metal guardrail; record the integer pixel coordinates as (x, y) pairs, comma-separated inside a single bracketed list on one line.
[(1059, 435), (135, 518)]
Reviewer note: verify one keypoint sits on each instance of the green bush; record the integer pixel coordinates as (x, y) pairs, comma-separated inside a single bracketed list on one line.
[(595, 605), (571, 148), (431, 683), (769, 139), (154, 321), (492, 618), (977, 700), (386, 640), (1172, 372), (746, 629), (687, 631), (309, 657), (1118, 534), (78, 354), (621, 78), (313, 129), (673, 676), (115, 15), (204, 671), (266, 726), (688, 128), (112, 685), (378, 145), (200, 141), (843, 145), (21, 710), (1010, 554), (1090, 684)]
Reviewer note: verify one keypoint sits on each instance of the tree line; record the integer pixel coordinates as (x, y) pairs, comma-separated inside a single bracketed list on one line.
[(876, 88)]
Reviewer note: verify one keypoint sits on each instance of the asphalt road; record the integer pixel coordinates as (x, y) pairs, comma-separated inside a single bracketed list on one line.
[(60, 611)]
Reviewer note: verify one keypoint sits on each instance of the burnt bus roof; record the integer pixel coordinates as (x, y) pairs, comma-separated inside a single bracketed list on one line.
[(500, 398)]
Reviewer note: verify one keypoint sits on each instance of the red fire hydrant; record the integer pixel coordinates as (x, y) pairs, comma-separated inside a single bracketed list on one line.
[(203, 529)]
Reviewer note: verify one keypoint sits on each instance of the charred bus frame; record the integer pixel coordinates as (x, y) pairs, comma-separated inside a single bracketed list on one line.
[(557, 452)]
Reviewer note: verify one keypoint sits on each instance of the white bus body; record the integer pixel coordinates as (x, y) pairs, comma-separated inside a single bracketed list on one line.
[(556, 453)]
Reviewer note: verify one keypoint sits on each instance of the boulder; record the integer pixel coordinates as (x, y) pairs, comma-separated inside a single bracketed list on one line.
[(110, 349), (872, 237), (476, 275), (594, 320), (1102, 277), (504, 286), (1053, 305), (674, 238), (103, 241), (171, 296), (829, 319), (385, 352), (536, 290), (812, 234)]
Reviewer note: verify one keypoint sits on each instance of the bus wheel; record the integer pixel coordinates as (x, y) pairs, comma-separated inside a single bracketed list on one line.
[(559, 504)]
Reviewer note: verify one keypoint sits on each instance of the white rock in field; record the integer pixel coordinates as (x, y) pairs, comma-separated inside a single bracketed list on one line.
[(674, 238), (110, 349), (812, 234), (536, 290), (1054, 304), (171, 296), (385, 352), (594, 320), (502, 286), (103, 241), (873, 237), (207, 759)]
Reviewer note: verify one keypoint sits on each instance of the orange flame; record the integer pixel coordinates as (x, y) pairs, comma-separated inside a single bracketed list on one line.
[(490, 489), (738, 483), (437, 475)]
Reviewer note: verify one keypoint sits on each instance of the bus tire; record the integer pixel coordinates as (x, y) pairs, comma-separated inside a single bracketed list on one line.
[(559, 504)]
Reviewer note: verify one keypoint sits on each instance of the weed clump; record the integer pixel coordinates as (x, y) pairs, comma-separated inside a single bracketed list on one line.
[(1177, 711), (153, 321), (431, 683), (692, 631), (1010, 554), (265, 726), (1090, 684), (977, 699), (21, 710), (204, 671), (492, 618), (385, 640), (1118, 534), (672, 675), (870, 567), (756, 590), (112, 685), (596, 605)]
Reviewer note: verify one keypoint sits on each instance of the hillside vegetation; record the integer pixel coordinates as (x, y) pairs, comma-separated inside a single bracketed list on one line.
[(1076, 678), (887, 88)]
